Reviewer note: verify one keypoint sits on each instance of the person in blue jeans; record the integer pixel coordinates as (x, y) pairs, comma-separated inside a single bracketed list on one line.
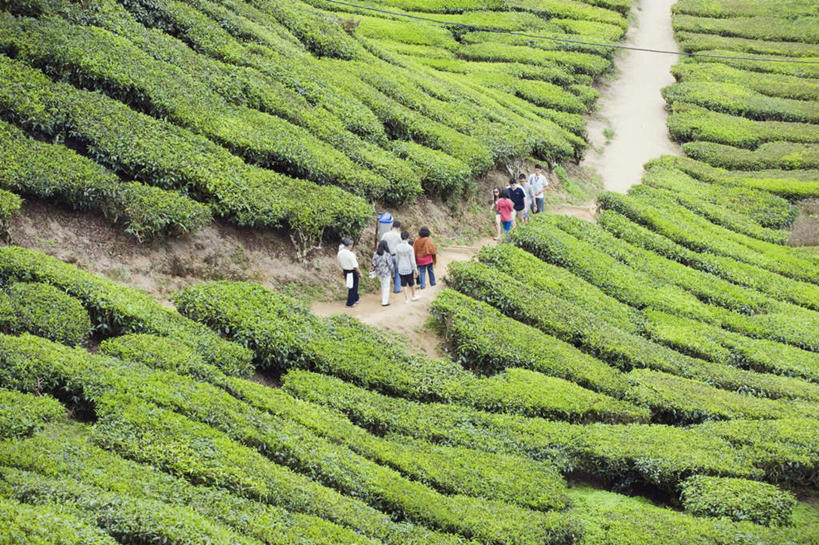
[(393, 238), (425, 257)]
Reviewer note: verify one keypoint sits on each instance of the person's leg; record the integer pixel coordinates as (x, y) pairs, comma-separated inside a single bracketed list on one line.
[(507, 226), (498, 225), (539, 204), (431, 275), (385, 290), (396, 288), (355, 287), (405, 288), (351, 292), (422, 276)]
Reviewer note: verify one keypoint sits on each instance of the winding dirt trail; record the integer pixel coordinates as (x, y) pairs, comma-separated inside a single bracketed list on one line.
[(631, 105), (407, 319)]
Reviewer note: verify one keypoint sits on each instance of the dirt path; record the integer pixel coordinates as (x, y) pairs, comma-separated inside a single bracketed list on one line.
[(407, 319), (631, 104)]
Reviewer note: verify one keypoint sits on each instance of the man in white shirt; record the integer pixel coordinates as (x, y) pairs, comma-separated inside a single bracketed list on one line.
[(393, 238), (537, 183), (350, 270)]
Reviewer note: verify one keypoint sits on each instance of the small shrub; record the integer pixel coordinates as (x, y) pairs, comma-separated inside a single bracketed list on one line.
[(46, 311), (737, 499)]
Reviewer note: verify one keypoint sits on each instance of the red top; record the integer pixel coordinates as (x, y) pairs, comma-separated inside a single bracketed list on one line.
[(506, 208)]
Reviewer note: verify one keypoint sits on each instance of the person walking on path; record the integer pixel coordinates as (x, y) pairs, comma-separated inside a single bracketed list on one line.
[(518, 196), (425, 257), (407, 267), (496, 195), (350, 270), (506, 210), (537, 183), (530, 197), (384, 270), (393, 238)]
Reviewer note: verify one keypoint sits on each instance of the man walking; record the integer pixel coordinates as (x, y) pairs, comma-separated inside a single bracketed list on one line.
[(537, 183), (393, 238), (518, 196), (407, 267), (349, 270)]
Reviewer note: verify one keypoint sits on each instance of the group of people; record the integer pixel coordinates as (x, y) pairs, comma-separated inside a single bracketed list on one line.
[(513, 204), (397, 260)]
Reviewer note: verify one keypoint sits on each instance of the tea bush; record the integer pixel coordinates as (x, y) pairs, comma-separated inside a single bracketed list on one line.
[(737, 499), (44, 310)]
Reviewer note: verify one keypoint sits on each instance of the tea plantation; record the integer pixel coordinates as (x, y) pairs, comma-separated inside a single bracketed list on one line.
[(652, 378), (165, 115)]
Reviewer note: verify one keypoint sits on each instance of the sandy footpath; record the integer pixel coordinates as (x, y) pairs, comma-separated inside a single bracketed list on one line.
[(631, 104)]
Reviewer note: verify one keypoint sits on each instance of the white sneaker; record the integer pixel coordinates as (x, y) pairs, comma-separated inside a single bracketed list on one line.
[(407, 302), (416, 297)]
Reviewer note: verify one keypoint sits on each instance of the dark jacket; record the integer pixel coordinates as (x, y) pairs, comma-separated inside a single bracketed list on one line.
[(518, 196)]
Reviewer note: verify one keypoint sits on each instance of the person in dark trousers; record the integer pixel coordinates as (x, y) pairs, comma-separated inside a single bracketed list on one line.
[(393, 238), (350, 271), (518, 196), (425, 257)]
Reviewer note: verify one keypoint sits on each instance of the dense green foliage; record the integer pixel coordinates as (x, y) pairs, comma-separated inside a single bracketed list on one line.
[(48, 171), (43, 310), (737, 499), (281, 333), (670, 351), (23, 414), (116, 310), (240, 105)]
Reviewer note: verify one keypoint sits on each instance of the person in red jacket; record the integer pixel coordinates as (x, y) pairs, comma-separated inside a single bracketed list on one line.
[(425, 257), (506, 209)]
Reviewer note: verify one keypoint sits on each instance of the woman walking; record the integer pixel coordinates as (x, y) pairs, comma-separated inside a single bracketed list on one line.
[(506, 209), (425, 257), (384, 270), (496, 195)]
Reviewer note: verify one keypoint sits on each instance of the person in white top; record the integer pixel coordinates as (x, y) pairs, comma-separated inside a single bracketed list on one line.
[(350, 270), (537, 183), (393, 238)]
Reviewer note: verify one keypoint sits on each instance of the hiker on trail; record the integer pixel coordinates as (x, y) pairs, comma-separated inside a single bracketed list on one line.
[(530, 198), (425, 257), (506, 210), (393, 238), (518, 196), (384, 269), (496, 195), (350, 270), (407, 268), (537, 183)]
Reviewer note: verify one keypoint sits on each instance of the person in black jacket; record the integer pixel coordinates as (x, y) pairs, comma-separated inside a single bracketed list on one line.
[(518, 196)]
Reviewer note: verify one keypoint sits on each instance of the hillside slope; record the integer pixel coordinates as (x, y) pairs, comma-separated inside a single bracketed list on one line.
[(285, 117)]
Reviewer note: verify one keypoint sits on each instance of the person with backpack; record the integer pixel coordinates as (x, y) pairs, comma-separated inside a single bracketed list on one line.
[(425, 257), (537, 184), (383, 268), (393, 238), (407, 268), (349, 270)]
